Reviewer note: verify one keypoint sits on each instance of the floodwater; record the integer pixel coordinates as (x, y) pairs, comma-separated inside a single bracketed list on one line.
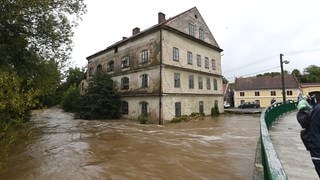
[(66, 148)]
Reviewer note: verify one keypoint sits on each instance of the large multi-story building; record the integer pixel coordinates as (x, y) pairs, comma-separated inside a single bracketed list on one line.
[(170, 69)]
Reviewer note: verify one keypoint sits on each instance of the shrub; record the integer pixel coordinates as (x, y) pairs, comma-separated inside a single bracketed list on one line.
[(143, 118), (101, 100), (71, 99), (215, 111)]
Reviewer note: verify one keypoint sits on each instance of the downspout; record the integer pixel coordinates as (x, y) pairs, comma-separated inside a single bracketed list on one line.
[(160, 88)]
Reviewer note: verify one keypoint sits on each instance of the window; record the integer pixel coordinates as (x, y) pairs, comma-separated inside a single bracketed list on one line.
[(144, 80), (273, 93), (115, 49), (192, 29), (90, 71), (215, 84), (206, 63), (198, 60), (256, 93), (110, 66), (257, 102), (144, 108), (176, 80), (242, 93), (175, 54), (189, 57), (213, 64), (201, 34), (289, 92), (242, 102), (201, 107), (125, 83), (124, 107), (191, 82), (208, 84), (99, 68), (125, 62), (177, 107), (144, 56), (200, 83)]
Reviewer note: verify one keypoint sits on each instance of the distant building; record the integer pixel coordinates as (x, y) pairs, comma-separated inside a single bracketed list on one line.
[(263, 90), (171, 69), (311, 89)]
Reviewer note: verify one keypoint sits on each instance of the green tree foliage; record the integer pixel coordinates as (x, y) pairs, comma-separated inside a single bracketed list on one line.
[(101, 100), (35, 40), (73, 78), (271, 74), (297, 74), (312, 74), (71, 100)]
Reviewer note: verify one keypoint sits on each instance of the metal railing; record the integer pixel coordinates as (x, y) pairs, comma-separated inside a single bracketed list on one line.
[(272, 167)]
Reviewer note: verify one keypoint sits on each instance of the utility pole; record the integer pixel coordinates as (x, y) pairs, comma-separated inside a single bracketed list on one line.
[(282, 80)]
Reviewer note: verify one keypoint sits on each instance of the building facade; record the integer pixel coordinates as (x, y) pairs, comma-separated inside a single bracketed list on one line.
[(265, 90), (171, 69)]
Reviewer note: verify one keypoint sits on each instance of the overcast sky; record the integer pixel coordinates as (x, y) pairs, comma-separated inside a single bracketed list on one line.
[(252, 33)]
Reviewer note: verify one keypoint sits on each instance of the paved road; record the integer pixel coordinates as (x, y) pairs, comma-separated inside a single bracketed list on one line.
[(285, 135)]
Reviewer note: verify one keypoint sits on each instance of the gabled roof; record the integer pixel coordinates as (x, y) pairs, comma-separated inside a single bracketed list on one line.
[(164, 25), (266, 82)]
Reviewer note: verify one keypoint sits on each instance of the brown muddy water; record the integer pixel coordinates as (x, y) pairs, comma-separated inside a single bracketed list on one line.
[(66, 148)]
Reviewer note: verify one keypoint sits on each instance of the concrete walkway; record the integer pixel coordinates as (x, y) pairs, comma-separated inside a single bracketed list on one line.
[(285, 135)]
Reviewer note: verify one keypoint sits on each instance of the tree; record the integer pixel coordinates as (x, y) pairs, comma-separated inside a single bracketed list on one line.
[(35, 39), (297, 74), (224, 80), (101, 100), (312, 74)]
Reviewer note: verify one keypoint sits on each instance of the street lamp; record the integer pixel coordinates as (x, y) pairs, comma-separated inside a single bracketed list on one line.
[(282, 78)]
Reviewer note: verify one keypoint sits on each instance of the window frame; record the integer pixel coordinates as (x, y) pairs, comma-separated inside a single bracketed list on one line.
[(208, 84), (144, 56), (201, 34), (198, 60), (273, 93), (192, 29), (191, 81), (242, 93), (213, 64), (200, 82), (124, 107), (125, 84), (125, 62), (176, 80), (215, 84), (177, 109), (206, 62), (189, 57), (110, 66), (175, 54), (257, 93), (144, 81)]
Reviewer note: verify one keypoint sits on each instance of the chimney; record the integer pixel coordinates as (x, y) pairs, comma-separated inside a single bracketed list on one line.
[(135, 31), (161, 17)]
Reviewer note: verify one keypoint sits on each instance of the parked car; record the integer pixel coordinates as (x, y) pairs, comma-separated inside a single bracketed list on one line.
[(249, 105), (226, 105)]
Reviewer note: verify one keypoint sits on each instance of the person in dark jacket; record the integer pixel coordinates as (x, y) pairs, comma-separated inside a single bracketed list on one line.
[(314, 138)]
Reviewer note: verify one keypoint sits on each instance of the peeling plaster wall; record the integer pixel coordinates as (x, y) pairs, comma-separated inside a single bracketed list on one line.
[(171, 40), (189, 104)]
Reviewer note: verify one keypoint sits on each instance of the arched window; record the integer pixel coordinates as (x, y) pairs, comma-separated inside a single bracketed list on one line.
[(124, 107), (90, 71), (144, 108), (110, 66), (125, 83), (99, 68)]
